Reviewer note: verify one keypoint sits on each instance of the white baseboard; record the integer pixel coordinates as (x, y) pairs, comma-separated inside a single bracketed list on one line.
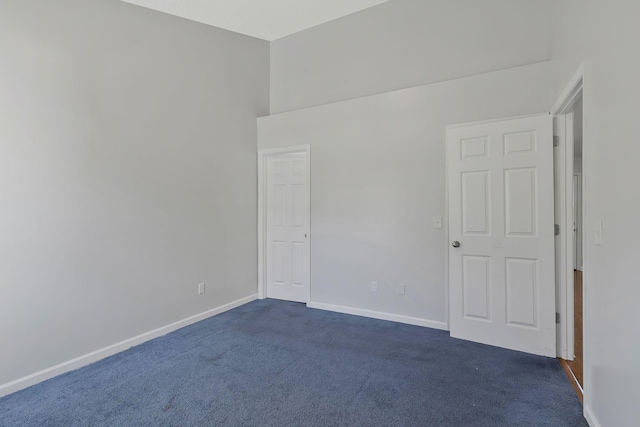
[(380, 315), (590, 417), (92, 357)]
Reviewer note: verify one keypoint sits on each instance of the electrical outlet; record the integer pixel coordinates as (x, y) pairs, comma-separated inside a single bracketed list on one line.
[(201, 288), (401, 289), (374, 286)]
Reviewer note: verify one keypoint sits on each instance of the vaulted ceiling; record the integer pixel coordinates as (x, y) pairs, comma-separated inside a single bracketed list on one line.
[(264, 19)]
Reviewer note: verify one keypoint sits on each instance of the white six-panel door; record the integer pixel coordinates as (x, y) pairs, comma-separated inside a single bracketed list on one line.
[(287, 228), (502, 274)]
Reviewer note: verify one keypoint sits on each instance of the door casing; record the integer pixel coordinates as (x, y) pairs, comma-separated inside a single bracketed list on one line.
[(577, 178), (563, 128), (577, 87)]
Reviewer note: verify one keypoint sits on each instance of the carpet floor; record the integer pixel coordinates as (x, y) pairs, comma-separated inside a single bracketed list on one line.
[(275, 363)]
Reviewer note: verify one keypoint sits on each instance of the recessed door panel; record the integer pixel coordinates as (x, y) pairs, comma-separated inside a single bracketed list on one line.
[(278, 262), (522, 289), (299, 167), (475, 203), (298, 205), (476, 283), (278, 205), (519, 143), (298, 264), (474, 148), (278, 168), (520, 202)]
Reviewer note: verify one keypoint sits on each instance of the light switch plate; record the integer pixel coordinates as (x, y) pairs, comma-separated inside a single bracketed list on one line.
[(437, 222), (598, 233)]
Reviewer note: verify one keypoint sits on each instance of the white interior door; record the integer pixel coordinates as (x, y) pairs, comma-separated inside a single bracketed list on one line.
[(502, 273), (287, 227)]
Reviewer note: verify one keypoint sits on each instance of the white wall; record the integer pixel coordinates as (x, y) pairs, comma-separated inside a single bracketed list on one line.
[(605, 35), (405, 43), (567, 42), (378, 179), (127, 171)]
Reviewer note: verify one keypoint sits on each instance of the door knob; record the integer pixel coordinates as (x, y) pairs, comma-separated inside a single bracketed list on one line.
[(456, 244)]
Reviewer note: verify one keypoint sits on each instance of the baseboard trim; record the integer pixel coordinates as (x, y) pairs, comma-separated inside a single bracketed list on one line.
[(590, 417), (87, 359), (416, 321)]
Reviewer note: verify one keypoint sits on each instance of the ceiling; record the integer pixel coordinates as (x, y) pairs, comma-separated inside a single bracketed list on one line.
[(264, 19)]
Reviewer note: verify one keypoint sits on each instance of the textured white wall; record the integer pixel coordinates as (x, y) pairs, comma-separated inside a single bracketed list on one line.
[(378, 179), (127, 171), (405, 43), (605, 35)]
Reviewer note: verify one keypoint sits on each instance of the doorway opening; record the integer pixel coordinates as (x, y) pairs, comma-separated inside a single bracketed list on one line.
[(570, 213), (575, 367)]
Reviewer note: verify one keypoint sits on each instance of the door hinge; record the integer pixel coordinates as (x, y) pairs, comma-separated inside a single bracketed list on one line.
[(557, 317), (556, 229), (556, 141)]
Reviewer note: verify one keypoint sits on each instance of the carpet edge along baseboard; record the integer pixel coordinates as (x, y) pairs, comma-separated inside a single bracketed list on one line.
[(380, 315), (89, 358)]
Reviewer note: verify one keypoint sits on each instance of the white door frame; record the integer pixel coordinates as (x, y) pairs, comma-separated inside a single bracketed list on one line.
[(262, 220), (562, 111), (578, 87), (577, 176), (563, 186)]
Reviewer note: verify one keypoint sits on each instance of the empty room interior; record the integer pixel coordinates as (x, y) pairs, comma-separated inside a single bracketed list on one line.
[(319, 212)]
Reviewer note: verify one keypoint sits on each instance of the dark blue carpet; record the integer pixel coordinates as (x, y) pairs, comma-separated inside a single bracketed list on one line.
[(274, 363)]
